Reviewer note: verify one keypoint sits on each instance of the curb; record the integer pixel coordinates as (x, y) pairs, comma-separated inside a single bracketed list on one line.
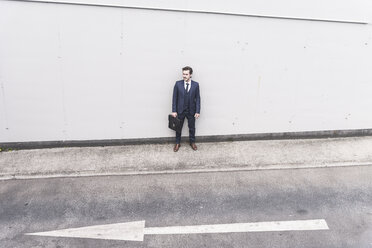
[(186, 171)]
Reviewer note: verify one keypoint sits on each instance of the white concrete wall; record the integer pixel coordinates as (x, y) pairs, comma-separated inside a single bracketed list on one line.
[(74, 72)]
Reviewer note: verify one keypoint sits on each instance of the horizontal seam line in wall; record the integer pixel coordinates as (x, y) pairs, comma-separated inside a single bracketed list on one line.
[(192, 11)]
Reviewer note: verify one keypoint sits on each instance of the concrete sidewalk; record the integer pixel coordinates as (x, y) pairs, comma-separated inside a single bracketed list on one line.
[(221, 156)]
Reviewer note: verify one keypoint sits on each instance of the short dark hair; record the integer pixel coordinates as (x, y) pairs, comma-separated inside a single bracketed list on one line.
[(187, 68)]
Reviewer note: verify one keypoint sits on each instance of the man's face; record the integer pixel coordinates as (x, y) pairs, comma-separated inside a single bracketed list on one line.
[(186, 75)]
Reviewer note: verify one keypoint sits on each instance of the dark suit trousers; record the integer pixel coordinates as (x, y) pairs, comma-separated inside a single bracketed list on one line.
[(191, 124)]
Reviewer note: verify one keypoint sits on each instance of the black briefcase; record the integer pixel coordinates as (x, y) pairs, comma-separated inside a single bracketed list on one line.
[(174, 123)]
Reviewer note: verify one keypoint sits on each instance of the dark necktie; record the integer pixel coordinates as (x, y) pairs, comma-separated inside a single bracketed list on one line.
[(187, 87)]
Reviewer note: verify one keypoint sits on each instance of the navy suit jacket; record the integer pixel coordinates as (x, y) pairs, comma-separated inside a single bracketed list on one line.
[(179, 97)]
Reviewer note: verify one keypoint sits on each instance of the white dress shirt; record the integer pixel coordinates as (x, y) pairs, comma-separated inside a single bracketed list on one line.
[(184, 84)]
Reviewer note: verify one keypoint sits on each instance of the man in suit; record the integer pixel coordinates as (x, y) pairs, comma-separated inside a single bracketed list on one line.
[(186, 103)]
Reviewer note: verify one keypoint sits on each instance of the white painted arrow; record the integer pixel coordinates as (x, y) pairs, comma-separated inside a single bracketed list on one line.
[(135, 231)]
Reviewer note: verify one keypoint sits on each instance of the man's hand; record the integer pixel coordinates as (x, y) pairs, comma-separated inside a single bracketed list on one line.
[(174, 114), (196, 116)]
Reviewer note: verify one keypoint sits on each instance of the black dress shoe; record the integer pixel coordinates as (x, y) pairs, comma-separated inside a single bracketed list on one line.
[(176, 147), (193, 146)]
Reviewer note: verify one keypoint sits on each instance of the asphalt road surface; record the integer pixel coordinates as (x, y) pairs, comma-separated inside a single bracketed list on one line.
[(340, 196)]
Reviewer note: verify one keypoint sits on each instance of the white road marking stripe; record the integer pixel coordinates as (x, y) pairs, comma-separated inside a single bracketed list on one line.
[(135, 231), (272, 226), (132, 231)]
